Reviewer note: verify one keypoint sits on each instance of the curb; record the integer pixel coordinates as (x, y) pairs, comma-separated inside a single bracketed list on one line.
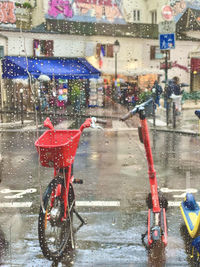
[(174, 131)]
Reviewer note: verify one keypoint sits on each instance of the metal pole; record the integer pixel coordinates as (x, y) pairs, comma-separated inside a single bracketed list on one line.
[(115, 66), (166, 67), (115, 93), (22, 104), (166, 80), (154, 113), (1, 84), (167, 111), (174, 115)]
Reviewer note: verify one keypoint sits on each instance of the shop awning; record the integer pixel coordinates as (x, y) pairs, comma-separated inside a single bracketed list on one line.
[(58, 68), (134, 72)]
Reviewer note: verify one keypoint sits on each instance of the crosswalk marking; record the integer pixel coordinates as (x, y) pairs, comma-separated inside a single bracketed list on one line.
[(15, 204), (98, 203)]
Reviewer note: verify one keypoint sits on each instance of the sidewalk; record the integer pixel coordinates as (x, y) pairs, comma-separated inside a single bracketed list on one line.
[(187, 122)]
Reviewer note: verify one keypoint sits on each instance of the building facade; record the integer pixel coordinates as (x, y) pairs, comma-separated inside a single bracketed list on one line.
[(81, 29)]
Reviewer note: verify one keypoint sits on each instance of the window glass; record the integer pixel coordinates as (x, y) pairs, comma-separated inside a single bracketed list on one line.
[(86, 168)]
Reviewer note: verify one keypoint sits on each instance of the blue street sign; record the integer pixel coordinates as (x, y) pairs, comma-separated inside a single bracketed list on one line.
[(167, 41)]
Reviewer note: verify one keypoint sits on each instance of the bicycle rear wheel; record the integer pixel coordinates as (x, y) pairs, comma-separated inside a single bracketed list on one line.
[(55, 235)]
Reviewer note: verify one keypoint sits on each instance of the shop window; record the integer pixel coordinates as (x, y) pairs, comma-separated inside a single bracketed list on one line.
[(1, 51), (136, 15), (154, 17), (43, 48), (156, 53), (108, 48)]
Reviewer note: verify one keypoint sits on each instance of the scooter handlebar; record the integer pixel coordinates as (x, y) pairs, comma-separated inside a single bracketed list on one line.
[(129, 114), (136, 109)]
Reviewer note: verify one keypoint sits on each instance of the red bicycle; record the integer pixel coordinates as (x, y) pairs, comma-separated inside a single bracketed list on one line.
[(57, 149), (157, 204)]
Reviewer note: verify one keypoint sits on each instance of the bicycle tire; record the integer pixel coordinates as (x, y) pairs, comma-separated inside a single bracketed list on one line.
[(65, 235)]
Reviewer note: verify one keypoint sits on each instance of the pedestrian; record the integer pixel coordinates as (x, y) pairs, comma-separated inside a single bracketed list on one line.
[(167, 93), (156, 91), (177, 94)]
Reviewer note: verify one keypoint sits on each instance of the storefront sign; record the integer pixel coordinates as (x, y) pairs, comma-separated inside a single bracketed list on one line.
[(85, 10), (163, 65), (7, 12), (57, 7)]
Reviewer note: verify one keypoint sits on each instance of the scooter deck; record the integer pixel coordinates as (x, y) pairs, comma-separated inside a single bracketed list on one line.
[(191, 214), (160, 231)]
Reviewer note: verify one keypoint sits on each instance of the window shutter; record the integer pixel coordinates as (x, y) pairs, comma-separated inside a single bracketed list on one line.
[(109, 50), (35, 45), (98, 49), (152, 52), (49, 48)]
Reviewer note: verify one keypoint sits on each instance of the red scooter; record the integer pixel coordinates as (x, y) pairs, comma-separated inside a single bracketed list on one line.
[(157, 204)]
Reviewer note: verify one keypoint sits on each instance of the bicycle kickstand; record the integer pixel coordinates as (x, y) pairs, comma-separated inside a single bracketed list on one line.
[(80, 218)]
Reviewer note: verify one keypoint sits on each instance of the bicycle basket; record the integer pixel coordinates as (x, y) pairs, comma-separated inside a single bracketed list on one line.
[(58, 148)]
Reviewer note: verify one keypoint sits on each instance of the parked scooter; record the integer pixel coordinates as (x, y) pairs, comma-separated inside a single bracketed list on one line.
[(157, 226), (191, 214)]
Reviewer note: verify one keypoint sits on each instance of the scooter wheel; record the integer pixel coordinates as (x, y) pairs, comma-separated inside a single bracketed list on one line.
[(149, 201), (163, 201)]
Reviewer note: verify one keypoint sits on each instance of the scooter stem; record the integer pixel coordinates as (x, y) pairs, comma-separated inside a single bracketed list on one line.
[(151, 171)]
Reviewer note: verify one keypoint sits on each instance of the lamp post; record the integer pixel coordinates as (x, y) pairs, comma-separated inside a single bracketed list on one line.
[(116, 48)]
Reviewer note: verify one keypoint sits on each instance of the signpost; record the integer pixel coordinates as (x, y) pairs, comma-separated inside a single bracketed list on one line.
[(166, 27), (167, 41), (167, 30), (167, 12)]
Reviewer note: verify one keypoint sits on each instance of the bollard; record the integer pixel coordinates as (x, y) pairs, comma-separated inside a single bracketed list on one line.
[(22, 104), (167, 112), (154, 113), (174, 115)]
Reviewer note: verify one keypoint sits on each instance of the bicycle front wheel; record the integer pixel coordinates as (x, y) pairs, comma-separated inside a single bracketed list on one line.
[(55, 234)]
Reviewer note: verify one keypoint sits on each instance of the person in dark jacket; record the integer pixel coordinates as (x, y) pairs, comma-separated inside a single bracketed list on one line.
[(177, 94), (168, 91), (157, 91)]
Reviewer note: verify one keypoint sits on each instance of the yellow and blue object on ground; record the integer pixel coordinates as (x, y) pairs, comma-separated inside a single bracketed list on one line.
[(191, 214)]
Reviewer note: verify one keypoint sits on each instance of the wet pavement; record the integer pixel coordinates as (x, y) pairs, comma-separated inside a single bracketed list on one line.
[(113, 166)]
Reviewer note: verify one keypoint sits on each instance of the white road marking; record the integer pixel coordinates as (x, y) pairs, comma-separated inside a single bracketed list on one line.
[(181, 195), (176, 203), (98, 203), (15, 204), (187, 190), (20, 192)]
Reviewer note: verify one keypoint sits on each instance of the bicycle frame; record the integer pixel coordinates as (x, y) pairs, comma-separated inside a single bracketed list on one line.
[(58, 149), (67, 172)]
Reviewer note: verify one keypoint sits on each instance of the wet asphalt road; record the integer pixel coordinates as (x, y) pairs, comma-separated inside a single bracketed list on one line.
[(113, 167)]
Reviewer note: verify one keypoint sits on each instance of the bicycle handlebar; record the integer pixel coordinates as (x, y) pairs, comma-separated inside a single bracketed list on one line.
[(136, 109), (90, 122)]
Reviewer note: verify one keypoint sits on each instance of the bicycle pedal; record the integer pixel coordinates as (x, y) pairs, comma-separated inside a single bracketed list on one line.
[(77, 181)]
